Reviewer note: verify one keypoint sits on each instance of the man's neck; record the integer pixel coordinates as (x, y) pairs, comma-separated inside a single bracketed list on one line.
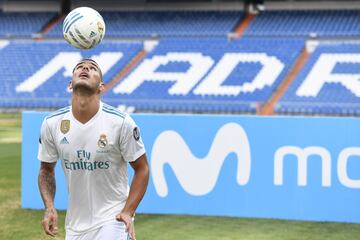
[(84, 107)]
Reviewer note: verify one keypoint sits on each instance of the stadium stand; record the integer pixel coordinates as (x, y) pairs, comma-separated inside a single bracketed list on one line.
[(165, 23), (234, 94), (320, 23), (274, 35), (23, 24), (231, 96), (45, 63), (327, 85)]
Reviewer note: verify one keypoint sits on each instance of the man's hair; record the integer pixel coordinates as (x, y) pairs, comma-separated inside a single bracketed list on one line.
[(91, 60)]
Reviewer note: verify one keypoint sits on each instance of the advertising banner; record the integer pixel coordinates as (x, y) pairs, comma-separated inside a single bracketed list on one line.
[(303, 168)]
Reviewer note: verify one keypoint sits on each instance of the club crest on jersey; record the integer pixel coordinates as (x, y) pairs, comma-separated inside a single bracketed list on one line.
[(65, 126), (102, 142), (136, 133)]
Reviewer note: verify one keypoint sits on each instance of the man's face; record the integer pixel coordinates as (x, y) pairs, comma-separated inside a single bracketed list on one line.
[(87, 76)]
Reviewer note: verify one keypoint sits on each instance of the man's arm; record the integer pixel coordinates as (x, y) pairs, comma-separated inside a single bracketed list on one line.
[(47, 187), (137, 191)]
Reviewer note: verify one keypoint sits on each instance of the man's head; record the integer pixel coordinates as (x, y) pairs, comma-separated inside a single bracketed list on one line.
[(87, 77)]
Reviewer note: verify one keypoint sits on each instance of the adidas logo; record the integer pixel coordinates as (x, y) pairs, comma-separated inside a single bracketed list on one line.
[(64, 141), (92, 34)]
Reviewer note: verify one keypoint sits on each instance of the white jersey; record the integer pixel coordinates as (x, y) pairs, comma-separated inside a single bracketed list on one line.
[(94, 158)]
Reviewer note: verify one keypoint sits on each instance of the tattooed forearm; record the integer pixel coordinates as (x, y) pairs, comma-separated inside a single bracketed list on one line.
[(47, 183)]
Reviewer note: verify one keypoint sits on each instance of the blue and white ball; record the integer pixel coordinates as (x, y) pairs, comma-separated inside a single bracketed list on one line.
[(84, 28)]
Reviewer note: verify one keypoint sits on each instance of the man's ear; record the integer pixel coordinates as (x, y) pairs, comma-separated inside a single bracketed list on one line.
[(101, 87), (70, 87)]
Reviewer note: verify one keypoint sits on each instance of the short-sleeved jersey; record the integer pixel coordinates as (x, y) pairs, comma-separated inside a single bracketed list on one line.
[(94, 158)]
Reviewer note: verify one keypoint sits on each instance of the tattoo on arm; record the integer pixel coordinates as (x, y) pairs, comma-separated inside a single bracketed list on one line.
[(47, 183)]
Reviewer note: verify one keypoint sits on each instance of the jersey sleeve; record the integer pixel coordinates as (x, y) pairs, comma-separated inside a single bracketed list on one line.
[(47, 149), (131, 144)]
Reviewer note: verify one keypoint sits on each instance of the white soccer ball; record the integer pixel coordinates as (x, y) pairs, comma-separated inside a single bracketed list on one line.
[(84, 28)]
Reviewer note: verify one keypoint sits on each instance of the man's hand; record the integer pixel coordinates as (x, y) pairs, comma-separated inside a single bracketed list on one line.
[(129, 223), (49, 222)]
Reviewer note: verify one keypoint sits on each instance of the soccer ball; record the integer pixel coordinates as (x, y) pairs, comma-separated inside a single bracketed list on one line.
[(84, 28)]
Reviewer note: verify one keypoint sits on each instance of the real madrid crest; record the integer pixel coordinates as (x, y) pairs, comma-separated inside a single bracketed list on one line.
[(102, 142), (65, 126)]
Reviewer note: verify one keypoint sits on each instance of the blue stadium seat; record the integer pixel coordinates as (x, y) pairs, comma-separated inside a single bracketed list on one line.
[(23, 24), (165, 23), (332, 98), (156, 93), (321, 23), (21, 60)]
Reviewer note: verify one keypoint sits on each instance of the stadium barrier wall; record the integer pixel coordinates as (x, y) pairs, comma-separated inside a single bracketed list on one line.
[(301, 168)]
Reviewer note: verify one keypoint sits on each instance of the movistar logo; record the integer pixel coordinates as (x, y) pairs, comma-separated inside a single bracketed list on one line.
[(170, 148)]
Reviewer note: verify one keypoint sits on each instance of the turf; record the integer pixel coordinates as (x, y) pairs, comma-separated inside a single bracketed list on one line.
[(17, 223), (10, 125)]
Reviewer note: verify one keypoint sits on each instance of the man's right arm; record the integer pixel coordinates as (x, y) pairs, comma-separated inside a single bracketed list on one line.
[(47, 187)]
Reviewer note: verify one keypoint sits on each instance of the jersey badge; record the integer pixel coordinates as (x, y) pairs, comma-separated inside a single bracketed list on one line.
[(102, 141), (136, 133), (65, 126)]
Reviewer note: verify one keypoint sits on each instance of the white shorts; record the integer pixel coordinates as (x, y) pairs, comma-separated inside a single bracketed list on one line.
[(114, 230)]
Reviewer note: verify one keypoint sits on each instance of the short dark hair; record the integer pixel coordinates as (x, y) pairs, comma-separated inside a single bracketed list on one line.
[(91, 60)]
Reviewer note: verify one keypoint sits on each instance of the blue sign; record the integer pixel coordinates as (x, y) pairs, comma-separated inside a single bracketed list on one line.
[(247, 166)]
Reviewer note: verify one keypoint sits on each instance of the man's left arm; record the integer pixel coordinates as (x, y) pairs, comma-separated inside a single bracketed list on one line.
[(137, 190)]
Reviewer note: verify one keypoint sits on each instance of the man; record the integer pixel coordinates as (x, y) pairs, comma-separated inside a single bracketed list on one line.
[(94, 142)]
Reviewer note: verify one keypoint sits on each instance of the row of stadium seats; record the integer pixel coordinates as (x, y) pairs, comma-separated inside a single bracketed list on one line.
[(179, 23), (331, 108), (23, 24), (186, 106), (195, 23), (129, 24), (320, 23)]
